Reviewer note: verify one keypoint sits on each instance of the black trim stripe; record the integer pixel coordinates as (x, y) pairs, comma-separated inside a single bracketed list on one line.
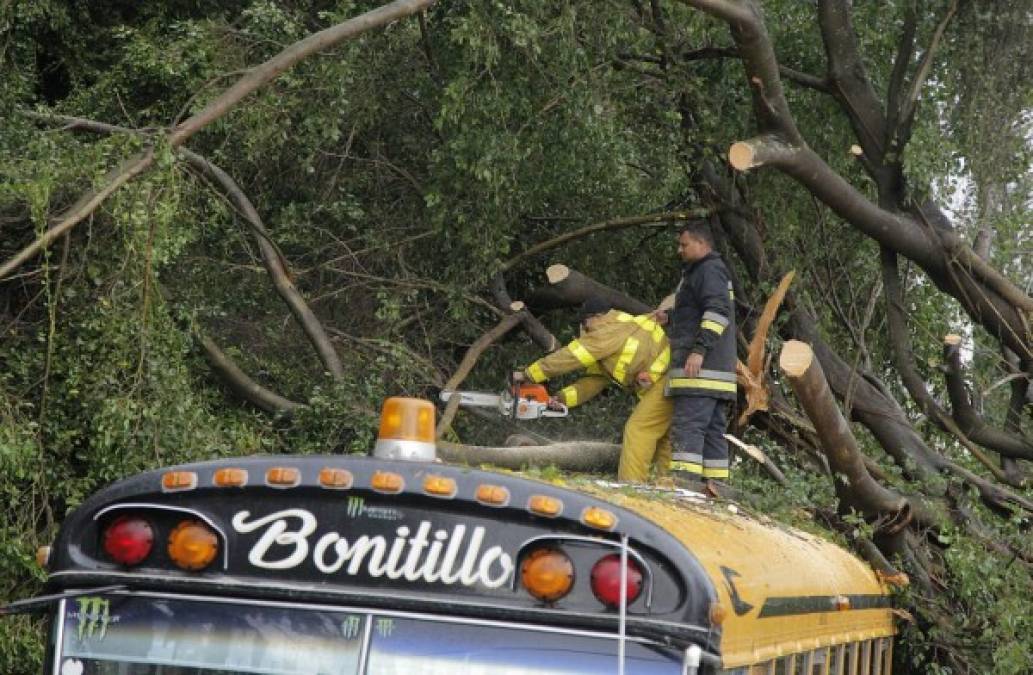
[(812, 604)]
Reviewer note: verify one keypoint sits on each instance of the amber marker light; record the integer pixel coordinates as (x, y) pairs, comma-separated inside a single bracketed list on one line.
[(193, 545), (492, 495), (174, 481), (43, 556), (841, 603), (387, 481), (718, 613), (544, 505), (230, 477), (600, 519), (439, 486), (547, 574), (335, 479), (282, 477)]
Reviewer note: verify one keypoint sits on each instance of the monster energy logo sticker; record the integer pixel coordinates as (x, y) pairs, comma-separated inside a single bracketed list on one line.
[(94, 617), (350, 627), (357, 507)]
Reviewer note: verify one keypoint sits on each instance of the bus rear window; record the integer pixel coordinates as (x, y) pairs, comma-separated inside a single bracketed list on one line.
[(407, 646), (126, 635), (143, 635)]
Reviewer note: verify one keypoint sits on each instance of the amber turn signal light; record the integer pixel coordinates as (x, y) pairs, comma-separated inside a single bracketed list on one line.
[(547, 574), (387, 481), (439, 486), (193, 545), (335, 479), (543, 505), (230, 477), (492, 495), (174, 481)]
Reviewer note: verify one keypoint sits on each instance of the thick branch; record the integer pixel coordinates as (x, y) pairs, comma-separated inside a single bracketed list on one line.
[(849, 77), (904, 361), (241, 383), (853, 484), (574, 288), (539, 333), (467, 364), (758, 57), (580, 456), (966, 416)]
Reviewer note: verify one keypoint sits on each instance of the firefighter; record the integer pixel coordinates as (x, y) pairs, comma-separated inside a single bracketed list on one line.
[(632, 352), (702, 376)]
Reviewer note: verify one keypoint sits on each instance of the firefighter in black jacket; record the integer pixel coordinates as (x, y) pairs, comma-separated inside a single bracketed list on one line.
[(702, 375)]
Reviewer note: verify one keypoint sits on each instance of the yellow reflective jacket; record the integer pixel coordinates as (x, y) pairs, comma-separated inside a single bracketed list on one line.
[(617, 348)]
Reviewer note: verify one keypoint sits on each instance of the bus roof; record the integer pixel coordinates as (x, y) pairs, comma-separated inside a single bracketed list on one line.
[(783, 589)]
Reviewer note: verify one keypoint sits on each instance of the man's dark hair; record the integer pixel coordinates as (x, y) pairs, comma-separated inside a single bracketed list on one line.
[(698, 229)]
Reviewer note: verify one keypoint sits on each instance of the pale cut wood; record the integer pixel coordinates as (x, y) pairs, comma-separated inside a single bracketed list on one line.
[(741, 156)]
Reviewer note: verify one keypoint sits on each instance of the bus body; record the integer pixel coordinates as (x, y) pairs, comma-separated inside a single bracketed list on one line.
[(330, 565)]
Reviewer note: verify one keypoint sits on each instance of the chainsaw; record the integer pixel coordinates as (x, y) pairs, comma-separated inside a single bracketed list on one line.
[(519, 401)]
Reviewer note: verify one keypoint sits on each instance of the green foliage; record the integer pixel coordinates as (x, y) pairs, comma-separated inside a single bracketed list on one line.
[(394, 173)]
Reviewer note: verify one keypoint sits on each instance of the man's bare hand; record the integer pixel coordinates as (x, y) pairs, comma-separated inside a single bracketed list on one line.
[(643, 380), (693, 364), (659, 315)]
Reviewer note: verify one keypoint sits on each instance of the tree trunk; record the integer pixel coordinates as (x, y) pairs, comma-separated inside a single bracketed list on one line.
[(853, 483), (574, 288), (579, 456)]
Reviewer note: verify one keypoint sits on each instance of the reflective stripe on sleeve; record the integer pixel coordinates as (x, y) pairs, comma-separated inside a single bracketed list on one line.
[(536, 372), (714, 316), (569, 396), (580, 353), (713, 326), (627, 354)]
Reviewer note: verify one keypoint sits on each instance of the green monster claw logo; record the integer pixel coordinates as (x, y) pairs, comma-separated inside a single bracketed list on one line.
[(94, 617)]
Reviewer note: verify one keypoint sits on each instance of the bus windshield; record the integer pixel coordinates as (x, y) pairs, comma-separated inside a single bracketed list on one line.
[(139, 635)]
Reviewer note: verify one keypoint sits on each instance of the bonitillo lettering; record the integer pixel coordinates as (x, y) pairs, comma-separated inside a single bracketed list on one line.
[(415, 556)]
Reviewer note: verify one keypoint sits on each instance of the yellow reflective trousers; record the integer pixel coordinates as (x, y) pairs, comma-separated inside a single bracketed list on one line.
[(646, 437)]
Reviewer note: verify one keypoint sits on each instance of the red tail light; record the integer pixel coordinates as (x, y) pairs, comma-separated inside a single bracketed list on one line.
[(128, 540), (606, 580)]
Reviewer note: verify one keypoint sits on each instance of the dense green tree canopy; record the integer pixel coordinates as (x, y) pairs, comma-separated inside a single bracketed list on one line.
[(374, 199)]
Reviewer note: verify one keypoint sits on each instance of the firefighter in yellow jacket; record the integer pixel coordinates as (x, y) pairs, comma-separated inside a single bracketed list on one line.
[(632, 352)]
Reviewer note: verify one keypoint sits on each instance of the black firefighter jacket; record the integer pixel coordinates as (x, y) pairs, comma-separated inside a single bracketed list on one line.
[(703, 321)]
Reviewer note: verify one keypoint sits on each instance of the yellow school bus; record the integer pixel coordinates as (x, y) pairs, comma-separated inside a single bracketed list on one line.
[(397, 564)]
